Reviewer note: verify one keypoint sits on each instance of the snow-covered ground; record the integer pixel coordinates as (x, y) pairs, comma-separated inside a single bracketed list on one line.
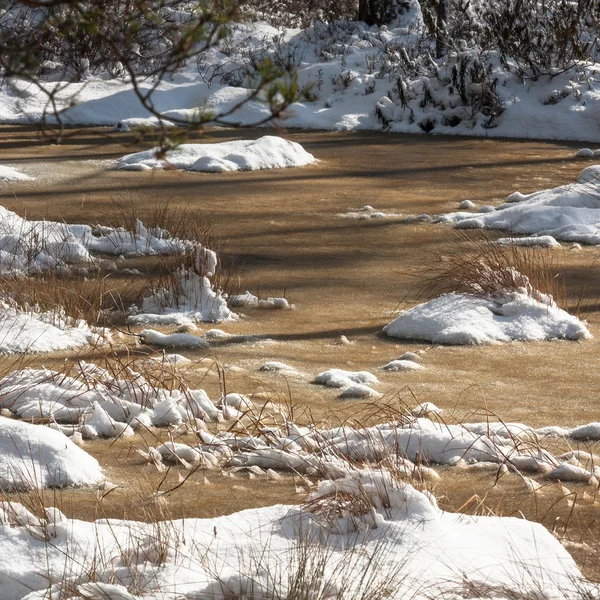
[(268, 152), (361, 78), (569, 213), (393, 535)]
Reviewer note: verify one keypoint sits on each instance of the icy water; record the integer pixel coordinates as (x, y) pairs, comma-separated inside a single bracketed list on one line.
[(346, 277)]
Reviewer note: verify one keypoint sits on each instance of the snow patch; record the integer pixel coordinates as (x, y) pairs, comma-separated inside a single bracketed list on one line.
[(268, 152), (190, 298), (12, 174)]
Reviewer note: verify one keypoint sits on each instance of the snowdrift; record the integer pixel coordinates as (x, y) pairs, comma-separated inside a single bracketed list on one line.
[(268, 152)]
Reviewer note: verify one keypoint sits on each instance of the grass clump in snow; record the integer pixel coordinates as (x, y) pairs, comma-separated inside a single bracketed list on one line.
[(482, 268)]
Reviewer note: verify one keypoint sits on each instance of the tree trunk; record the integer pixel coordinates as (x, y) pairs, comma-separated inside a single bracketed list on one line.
[(364, 11), (441, 18)]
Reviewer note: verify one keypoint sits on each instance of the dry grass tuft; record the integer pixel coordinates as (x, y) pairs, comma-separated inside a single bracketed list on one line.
[(484, 268), (77, 297)]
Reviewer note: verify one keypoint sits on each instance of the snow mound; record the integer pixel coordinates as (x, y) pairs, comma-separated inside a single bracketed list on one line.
[(339, 378), (403, 365), (34, 456), (468, 319), (245, 299), (174, 340), (276, 367), (12, 174), (278, 303), (32, 332), (569, 213), (573, 473), (359, 390), (590, 431), (268, 152), (543, 241), (467, 205)]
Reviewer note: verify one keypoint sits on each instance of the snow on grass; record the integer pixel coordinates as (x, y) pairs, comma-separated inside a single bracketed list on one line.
[(97, 402), (268, 152), (34, 456), (426, 409), (171, 359), (33, 331), (12, 174), (190, 297), (369, 523), (96, 422), (568, 213), (28, 246), (352, 70), (469, 319)]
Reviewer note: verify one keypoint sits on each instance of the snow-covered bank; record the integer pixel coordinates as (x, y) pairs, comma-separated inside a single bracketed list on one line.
[(361, 77), (34, 456), (503, 317), (393, 535), (268, 152), (569, 213)]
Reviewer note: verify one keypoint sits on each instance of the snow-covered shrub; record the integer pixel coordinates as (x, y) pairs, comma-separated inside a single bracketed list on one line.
[(386, 12), (299, 13), (68, 39)]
